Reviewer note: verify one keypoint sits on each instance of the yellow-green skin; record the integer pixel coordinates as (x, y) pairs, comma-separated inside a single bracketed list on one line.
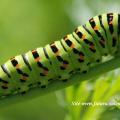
[(61, 59)]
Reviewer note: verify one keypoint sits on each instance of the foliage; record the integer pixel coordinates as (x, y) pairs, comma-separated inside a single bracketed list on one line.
[(104, 90)]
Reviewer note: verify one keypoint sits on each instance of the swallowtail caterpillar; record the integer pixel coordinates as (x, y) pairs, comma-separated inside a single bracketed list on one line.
[(60, 60)]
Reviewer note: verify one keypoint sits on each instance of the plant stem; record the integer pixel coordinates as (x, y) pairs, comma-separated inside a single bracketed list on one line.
[(57, 85)]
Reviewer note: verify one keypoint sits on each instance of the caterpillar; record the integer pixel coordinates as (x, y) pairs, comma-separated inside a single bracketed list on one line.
[(61, 59)]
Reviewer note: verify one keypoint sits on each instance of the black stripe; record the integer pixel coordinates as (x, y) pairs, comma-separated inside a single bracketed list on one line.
[(4, 87), (45, 68), (25, 74), (59, 58), (88, 32), (14, 62), (65, 62), (84, 26), (35, 54), (75, 51), (114, 41), (88, 41), (44, 50), (5, 70), (19, 71), (93, 24), (40, 64), (91, 21), (46, 54), (79, 34), (118, 23), (68, 42), (26, 62), (63, 46), (109, 19), (101, 43), (76, 39), (100, 19), (54, 48)]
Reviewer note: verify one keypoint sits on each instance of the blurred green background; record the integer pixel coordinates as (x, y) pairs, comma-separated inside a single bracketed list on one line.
[(27, 24)]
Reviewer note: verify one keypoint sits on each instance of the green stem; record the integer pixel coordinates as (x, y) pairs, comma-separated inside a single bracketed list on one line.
[(76, 78)]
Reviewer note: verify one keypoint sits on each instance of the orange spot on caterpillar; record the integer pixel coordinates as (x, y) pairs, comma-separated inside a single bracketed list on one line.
[(45, 72), (81, 57), (72, 46), (96, 28), (33, 51), (17, 66), (57, 53), (23, 77), (92, 47), (64, 65), (83, 37), (37, 59), (110, 22)]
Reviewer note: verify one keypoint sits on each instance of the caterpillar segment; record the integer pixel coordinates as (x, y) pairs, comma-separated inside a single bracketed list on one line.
[(7, 85), (88, 42), (60, 60), (110, 23), (34, 71), (41, 67), (19, 73), (48, 71), (93, 26), (76, 52)]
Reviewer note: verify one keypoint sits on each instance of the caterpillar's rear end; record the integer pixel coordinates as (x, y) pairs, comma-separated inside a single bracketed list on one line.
[(61, 59)]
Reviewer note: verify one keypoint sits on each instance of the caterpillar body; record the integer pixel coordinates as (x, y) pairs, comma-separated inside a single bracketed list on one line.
[(60, 60)]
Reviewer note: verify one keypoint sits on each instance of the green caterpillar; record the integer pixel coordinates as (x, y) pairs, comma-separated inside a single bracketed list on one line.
[(61, 59)]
